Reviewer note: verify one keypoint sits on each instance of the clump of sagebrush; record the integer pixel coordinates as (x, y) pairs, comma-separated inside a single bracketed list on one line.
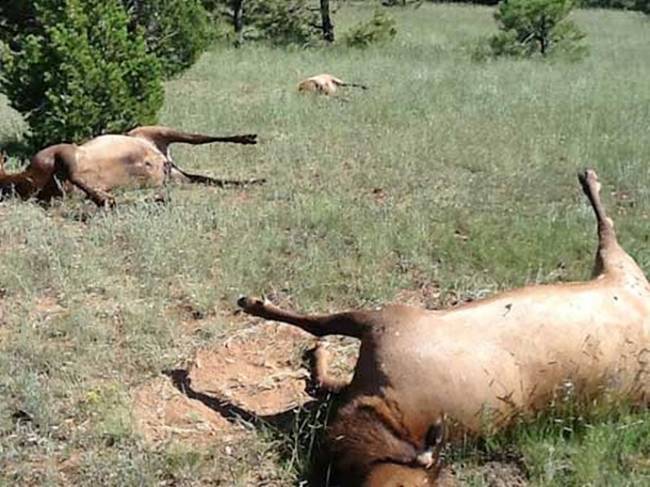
[(380, 28), (534, 28), (79, 71)]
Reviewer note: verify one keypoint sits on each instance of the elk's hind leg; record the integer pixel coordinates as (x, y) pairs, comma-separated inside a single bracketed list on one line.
[(351, 323), (65, 168), (610, 256), (100, 198)]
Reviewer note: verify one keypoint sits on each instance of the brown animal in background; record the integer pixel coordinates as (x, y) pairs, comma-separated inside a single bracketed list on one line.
[(325, 83), (139, 158), (484, 363)]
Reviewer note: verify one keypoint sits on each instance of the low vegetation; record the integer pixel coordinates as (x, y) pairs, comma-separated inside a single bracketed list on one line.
[(446, 181)]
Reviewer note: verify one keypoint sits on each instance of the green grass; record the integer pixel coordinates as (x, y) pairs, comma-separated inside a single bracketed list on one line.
[(364, 199)]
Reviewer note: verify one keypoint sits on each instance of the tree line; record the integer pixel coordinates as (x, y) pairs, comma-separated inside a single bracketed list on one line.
[(79, 68)]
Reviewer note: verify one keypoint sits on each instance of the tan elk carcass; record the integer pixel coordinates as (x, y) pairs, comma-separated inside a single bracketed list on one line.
[(325, 84), (481, 364), (139, 158)]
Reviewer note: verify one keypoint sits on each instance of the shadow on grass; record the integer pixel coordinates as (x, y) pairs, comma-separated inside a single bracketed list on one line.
[(298, 432)]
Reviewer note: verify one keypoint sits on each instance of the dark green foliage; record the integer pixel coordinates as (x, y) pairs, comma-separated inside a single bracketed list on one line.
[(380, 28), (530, 27), (478, 2), (640, 5), (176, 31), (279, 22), (283, 22), (80, 73), (16, 18), (228, 13), (401, 3)]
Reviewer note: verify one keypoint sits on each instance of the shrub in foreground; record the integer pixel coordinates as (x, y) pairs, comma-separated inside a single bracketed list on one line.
[(80, 73)]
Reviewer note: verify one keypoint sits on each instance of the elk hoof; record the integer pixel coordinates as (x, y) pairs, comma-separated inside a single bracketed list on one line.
[(589, 181), (250, 304), (250, 139), (588, 176)]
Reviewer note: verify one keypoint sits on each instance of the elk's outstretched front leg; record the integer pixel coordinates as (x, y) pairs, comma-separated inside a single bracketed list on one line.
[(179, 175), (352, 323)]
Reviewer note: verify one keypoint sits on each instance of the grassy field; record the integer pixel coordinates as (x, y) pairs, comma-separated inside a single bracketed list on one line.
[(447, 180)]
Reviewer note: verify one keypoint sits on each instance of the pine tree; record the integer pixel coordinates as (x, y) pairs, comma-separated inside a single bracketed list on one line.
[(80, 73)]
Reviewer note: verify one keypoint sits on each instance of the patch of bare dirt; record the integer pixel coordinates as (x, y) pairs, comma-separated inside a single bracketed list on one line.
[(45, 307), (162, 413), (69, 468), (257, 369)]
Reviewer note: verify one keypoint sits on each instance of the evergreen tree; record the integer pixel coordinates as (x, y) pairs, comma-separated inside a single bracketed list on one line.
[(80, 72)]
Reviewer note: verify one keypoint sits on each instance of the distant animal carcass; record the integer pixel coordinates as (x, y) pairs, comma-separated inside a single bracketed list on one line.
[(139, 158), (325, 84)]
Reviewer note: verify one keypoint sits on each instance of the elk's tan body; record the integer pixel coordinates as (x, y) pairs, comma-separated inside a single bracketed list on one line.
[(325, 84), (140, 158), (486, 362)]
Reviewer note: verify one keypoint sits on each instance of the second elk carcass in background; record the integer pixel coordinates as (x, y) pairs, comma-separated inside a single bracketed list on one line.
[(140, 158)]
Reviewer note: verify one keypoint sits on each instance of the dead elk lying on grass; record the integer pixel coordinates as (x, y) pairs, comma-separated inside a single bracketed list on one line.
[(325, 84), (482, 364), (139, 158)]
